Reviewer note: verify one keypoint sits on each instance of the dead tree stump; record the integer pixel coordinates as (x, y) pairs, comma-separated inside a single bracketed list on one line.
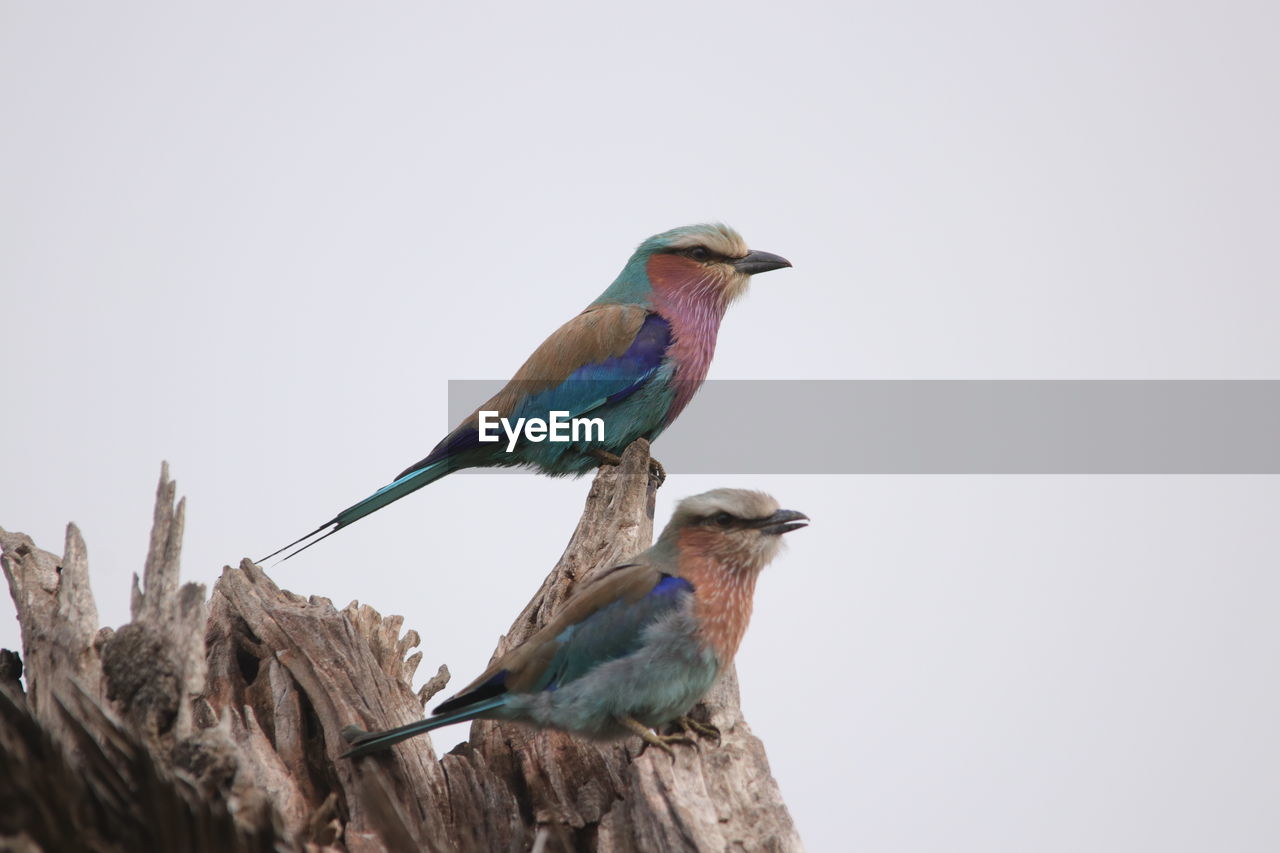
[(215, 725)]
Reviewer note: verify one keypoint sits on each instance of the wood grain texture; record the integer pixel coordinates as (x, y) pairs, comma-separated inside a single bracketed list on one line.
[(216, 724)]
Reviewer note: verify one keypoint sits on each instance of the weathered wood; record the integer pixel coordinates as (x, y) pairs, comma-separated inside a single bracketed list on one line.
[(228, 714), (89, 758), (57, 617)]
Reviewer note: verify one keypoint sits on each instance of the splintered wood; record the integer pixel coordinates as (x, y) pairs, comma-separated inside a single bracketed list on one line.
[(215, 724)]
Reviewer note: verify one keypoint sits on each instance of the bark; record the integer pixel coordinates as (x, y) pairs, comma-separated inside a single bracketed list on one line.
[(215, 724)]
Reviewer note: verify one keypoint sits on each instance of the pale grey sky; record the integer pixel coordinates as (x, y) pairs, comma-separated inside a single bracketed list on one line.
[(256, 240)]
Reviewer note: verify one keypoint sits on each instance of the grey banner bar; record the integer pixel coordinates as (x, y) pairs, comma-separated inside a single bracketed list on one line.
[(964, 426)]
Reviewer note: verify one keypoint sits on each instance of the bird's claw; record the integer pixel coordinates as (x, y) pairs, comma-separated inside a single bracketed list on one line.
[(604, 457), (691, 727), (664, 742), (652, 738)]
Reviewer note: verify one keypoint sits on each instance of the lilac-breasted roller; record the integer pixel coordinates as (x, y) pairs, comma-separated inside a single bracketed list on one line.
[(639, 645), (633, 359)]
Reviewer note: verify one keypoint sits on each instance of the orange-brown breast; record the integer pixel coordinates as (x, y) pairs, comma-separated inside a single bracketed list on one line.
[(723, 587)]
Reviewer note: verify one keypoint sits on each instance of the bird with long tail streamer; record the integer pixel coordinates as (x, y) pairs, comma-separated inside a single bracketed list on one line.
[(634, 358), (640, 644)]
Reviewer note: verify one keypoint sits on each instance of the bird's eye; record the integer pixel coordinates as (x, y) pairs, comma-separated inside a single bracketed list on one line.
[(723, 519), (699, 253)]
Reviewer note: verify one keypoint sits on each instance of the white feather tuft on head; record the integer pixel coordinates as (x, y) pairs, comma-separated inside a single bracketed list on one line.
[(719, 238)]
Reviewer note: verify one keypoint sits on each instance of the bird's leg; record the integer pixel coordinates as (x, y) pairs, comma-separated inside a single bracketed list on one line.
[(604, 457), (649, 736), (690, 727)]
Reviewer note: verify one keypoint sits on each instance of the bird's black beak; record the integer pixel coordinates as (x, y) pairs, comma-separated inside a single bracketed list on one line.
[(782, 521), (757, 262)]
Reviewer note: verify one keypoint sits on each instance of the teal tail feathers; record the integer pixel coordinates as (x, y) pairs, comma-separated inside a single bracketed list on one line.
[(363, 743), (390, 493)]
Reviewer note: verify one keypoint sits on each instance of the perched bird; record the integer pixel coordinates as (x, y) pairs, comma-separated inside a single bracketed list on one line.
[(638, 646), (633, 358)]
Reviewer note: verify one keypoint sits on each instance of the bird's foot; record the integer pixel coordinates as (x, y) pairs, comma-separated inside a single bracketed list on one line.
[(692, 727), (652, 738), (604, 457)]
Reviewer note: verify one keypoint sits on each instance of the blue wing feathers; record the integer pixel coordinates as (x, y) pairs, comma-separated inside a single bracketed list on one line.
[(586, 389), (670, 585), (607, 381), (611, 632)]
